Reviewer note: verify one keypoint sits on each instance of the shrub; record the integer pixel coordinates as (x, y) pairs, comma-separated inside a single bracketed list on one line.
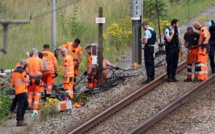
[(5, 104), (48, 109)]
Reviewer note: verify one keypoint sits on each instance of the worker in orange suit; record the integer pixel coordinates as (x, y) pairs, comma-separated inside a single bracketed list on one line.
[(191, 39), (35, 87), (15, 100), (49, 69), (202, 60), (68, 72), (92, 70), (74, 50), (19, 80)]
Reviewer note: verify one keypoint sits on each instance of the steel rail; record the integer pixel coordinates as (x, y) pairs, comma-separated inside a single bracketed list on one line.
[(172, 106), (124, 102)]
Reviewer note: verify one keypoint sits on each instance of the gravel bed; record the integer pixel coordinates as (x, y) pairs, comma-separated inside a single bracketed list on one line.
[(66, 121), (145, 107), (195, 117)]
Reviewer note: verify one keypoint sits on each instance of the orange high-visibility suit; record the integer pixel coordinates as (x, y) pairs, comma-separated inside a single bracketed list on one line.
[(35, 87), (19, 80), (202, 60), (191, 40), (49, 69), (68, 73), (75, 53), (93, 81)]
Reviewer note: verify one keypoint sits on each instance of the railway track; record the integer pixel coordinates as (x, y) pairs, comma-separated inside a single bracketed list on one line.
[(123, 103), (172, 106)]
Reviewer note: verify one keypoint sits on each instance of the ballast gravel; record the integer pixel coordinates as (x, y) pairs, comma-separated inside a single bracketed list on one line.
[(144, 107), (195, 117)]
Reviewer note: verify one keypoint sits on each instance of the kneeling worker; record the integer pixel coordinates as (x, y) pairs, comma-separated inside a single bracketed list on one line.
[(68, 72), (19, 82), (92, 69)]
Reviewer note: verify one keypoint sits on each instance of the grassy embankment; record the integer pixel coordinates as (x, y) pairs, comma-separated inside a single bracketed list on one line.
[(24, 37)]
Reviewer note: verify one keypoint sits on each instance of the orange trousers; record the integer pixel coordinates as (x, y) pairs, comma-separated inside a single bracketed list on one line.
[(202, 60), (34, 93), (68, 85), (191, 59), (48, 80)]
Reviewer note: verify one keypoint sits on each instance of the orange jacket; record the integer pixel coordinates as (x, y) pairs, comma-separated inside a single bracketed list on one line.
[(74, 52), (50, 62), (19, 79), (68, 66), (35, 66), (204, 35)]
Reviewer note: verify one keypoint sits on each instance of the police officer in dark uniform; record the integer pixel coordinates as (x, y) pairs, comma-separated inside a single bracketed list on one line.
[(173, 47), (149, 42), (211, 28)]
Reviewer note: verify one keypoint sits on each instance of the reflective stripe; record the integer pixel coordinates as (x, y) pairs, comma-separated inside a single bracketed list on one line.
[(201, 65), (49, 86), (39, 94), (202, 72), (29, 100), (30, 92), (69, 91), (188, 66), (36, 102), (189, 73)]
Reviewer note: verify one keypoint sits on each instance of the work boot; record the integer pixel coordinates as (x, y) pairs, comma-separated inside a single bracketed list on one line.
[(174, 79), (147, 81), (188, 80), (10, 114), (20, 123), (213, 71)]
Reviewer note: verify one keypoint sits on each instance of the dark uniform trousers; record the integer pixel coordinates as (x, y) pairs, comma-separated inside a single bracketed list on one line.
[(149, 61), (172, 55), (22, 105), (211, 54)]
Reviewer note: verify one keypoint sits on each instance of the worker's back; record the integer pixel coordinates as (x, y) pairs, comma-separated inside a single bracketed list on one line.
[(35, 66), (50, 61)]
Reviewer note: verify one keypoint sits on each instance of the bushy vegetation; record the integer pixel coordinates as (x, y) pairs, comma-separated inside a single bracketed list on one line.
[(5, 104)]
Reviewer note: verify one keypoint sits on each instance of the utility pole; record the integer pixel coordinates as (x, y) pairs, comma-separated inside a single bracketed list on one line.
[(5, 25), (136, 17), (100, 22), (54, 27)]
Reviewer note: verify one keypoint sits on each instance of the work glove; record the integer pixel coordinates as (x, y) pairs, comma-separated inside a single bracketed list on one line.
[(117, 68)]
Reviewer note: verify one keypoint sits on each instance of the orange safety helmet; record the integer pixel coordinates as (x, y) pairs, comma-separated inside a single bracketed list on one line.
[(134, 65)]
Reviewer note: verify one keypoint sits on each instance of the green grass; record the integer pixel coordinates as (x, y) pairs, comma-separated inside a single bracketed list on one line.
[(185, 10), (23, 38)]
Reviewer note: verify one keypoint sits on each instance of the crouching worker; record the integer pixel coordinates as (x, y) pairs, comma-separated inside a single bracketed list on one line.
[(92, 70), (19, 82), (68, 72)]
